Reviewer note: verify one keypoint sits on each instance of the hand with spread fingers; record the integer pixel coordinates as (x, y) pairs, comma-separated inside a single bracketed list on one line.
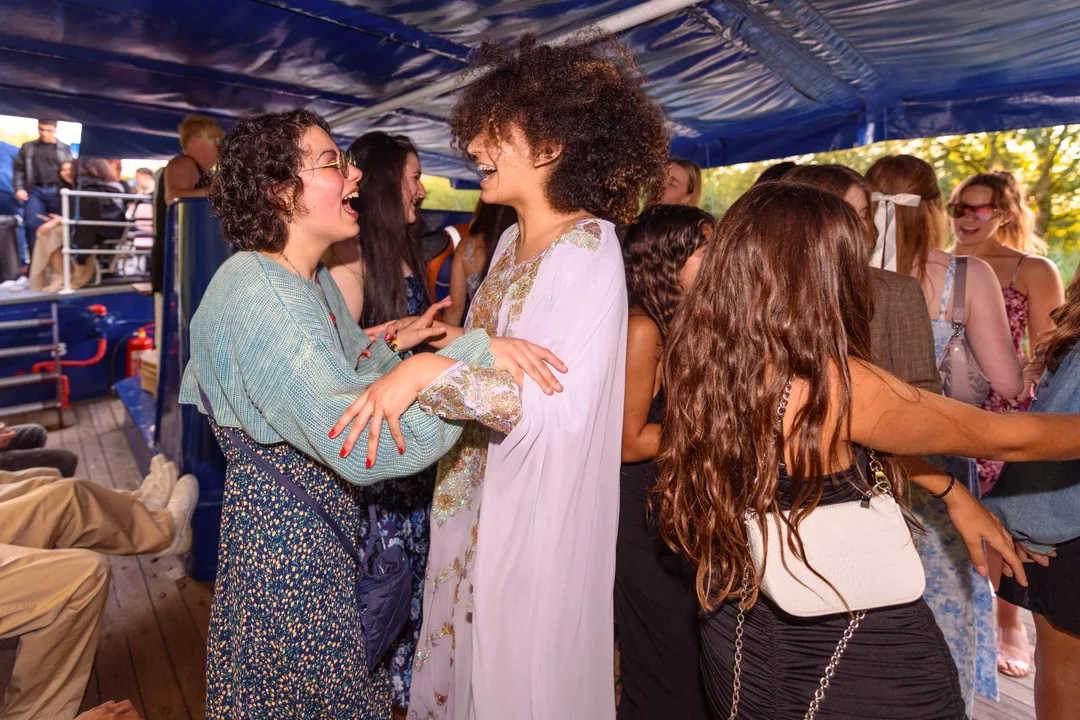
[(391, 395), (977, 525), (521, 358), (407, 333), (387, 399)]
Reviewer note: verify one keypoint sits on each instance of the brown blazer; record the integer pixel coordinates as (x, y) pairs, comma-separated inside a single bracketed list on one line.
[(900, 332)]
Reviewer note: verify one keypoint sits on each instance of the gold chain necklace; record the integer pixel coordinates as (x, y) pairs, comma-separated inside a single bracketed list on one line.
[(286, 259)]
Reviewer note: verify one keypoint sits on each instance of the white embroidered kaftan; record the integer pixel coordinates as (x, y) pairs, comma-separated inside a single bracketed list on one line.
[(518, 596)]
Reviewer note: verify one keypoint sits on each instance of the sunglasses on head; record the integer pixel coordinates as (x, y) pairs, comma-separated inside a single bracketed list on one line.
[(983, 213)]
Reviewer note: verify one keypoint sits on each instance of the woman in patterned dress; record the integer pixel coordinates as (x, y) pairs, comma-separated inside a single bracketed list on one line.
[(274, 369), (381, 275), (992, 221), (518, 601), (472, 257), (960, 597)]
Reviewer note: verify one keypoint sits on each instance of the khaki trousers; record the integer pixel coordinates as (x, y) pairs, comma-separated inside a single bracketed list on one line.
[(53, 599)]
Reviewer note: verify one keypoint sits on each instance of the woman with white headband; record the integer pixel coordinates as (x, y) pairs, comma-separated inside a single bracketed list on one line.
[(961, 297)]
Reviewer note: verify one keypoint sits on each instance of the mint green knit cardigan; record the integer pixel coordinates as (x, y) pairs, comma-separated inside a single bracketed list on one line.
[(270, 360)]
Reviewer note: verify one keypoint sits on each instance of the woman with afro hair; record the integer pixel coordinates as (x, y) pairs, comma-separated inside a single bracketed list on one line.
[(518, 602)]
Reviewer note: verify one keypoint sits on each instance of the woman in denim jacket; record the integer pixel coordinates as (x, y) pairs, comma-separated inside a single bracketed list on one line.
[(1039, 503)]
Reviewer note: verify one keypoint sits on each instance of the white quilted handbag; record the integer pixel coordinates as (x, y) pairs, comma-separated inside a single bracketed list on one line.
[(864, 549)]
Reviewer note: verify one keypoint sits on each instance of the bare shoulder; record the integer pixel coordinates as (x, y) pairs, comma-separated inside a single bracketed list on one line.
[(641, 332), (182, 163), (980, 276), (1036, 269)]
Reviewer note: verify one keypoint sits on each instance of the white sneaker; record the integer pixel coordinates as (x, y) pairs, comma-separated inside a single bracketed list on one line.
[(157, 488), (181, 506), (157, 462)]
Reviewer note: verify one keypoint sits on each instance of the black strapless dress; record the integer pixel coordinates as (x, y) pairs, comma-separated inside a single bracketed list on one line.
[(896, 667), (656, 609)]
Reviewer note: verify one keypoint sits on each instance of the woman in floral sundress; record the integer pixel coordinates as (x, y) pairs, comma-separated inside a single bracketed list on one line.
[(992, 221)]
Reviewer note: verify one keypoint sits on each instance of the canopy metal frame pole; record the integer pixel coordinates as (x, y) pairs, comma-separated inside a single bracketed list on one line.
[(629, 18), (65, 214)]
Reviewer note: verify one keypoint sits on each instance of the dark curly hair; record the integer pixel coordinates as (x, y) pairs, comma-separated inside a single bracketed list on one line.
[(586, 96), (655, 249), (256, 182)]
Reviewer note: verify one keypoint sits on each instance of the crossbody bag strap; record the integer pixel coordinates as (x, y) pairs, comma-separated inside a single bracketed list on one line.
[(959, 291), (282, 480), (373, 522)]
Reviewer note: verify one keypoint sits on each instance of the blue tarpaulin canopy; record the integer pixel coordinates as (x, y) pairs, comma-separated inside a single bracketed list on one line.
[(740, 80)]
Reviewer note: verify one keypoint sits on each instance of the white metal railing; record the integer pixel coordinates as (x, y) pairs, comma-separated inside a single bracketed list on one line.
[(70, 222)]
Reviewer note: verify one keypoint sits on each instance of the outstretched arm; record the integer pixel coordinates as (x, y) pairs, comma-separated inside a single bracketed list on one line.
[(892, 416)]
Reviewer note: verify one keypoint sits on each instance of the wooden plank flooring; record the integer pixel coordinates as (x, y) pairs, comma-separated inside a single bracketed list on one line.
[(152, 646)]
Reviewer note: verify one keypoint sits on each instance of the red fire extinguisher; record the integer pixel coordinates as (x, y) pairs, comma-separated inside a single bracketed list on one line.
[(137, 344)]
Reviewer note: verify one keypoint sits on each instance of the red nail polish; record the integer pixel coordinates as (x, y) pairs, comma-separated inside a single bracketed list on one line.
[(401, 451), (331, 434), (386, 337), (344, 452), (369, 463)]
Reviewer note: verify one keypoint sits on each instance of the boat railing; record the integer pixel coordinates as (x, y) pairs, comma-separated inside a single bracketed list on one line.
[(70, 222)]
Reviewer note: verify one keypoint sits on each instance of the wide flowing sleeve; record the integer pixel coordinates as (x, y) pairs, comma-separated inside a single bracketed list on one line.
[(471, 392)]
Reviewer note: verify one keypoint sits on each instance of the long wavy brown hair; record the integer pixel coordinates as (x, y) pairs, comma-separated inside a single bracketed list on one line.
[(783, 291), (918, 229), (1067, 331), (655, 249), (1008, 195)]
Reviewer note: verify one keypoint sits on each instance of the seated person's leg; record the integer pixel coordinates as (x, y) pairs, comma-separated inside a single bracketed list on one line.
[(23, 446), (9, 477), (83, 514), (15, 485), (56, 599)]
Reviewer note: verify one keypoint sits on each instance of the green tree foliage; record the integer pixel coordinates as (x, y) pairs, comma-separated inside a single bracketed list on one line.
[(441, 196), (1047, 160)]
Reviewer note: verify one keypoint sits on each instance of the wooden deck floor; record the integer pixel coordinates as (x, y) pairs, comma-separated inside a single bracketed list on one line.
[(152, 648)]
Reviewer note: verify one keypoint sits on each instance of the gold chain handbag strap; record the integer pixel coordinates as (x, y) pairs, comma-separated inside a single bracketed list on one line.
[(881, 486)]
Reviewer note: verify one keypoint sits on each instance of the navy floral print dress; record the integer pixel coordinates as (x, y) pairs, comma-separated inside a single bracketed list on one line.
[(283, 574), (404, 505)]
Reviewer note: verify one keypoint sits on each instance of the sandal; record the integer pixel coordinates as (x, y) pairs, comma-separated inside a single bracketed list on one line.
[(1013, 652)]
